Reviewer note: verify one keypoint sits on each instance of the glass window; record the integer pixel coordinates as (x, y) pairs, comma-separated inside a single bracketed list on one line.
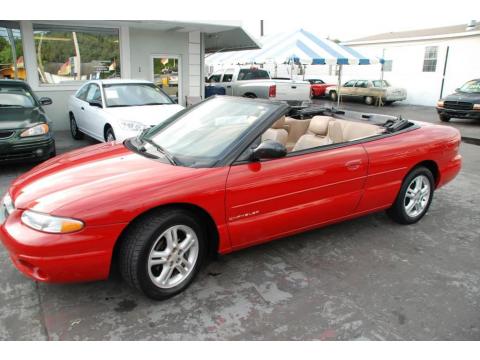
[(93, 93), (215, 78), (227, 77), (12, 65), (387, 65), (198, 137), (117, 95), (67, 54), (378, 83), (316, 81), (82, 92), (253, 74), (430, 59), (361, 83), (472, 87), (12, 95), (350, 83)]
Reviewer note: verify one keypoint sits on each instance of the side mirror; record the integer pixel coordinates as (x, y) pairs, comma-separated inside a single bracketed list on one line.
[(457, 90), (269, 149), (95, 103), (45, 101)]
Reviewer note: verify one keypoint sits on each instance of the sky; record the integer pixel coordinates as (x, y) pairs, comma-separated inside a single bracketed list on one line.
[(348, 26)]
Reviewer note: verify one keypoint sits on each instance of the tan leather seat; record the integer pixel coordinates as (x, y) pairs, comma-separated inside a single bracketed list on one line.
[(343, 130), (296, 128), (316, 134), (277, 132)]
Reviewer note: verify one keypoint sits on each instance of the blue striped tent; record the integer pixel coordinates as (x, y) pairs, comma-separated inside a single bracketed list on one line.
[(299, 46)]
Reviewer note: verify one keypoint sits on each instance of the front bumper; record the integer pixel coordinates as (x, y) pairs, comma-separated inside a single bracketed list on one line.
[(460, 114), (395, 97), (82, 256), (35, 148)]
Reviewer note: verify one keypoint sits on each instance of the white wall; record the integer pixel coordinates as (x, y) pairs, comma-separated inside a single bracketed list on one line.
[(423, 88)]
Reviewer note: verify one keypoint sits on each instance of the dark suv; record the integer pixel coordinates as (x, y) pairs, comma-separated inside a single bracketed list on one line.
[(25, 131), (463, 104)]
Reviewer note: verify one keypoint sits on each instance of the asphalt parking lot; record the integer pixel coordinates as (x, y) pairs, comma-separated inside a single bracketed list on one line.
[(365, 279)]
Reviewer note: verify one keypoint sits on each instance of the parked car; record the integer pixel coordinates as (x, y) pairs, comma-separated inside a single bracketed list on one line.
[(369, 91), (253, 82), (25, 130), (318, 87), (117, 109), (463, 104), (216, 178)]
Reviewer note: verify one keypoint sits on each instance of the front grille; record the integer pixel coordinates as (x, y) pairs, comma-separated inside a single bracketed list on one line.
[(5, 134), (458, 105)]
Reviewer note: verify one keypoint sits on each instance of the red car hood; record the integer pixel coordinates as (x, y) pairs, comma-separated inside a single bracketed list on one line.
[(82, 179)]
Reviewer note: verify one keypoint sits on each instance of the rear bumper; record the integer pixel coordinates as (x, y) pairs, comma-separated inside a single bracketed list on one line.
[(77, 257), (461, 114), (34, 149), (450, 170)]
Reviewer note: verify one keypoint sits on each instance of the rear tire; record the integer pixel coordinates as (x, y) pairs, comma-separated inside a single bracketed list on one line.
[(151, 258), (414, 197), (369, 100), (76, 133), (444, 118)]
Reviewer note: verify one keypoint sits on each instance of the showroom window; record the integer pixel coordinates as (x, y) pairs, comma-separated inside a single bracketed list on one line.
[(387, 65), (430, 59), (68, 54), (11, 51)]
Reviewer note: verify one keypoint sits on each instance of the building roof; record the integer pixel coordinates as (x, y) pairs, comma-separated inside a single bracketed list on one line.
[(472, 28)]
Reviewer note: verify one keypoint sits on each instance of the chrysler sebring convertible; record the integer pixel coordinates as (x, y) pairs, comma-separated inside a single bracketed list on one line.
[(223, 175)]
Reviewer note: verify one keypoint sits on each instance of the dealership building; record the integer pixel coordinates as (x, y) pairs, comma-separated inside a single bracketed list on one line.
[(56, 57)]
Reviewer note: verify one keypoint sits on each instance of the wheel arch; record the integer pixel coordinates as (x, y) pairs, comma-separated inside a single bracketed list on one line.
[(200, 213), (250, 94), (430, 165), (105, 128)]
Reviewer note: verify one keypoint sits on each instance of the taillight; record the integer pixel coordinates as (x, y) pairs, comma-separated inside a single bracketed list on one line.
[(272, 91)]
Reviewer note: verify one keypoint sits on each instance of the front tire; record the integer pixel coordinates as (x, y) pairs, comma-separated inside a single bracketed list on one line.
[(109, 134), (414, 198), (369, 100), (76, 133), (162, 253), (444, 118)]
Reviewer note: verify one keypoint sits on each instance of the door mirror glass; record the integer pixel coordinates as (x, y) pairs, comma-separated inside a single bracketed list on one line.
[(95, 103), (269, 149), (45, 101)]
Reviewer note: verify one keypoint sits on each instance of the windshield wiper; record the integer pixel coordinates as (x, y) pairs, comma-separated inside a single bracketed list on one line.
[(154, 103), (161, 149)]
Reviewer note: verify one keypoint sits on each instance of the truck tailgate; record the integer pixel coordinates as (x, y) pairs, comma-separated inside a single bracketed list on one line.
[(289, 90)]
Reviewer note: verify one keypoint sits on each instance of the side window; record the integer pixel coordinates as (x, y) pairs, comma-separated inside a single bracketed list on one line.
[(361, 84), (349, 83), (94, 94), (227, 77), (82, 93), (215, 78)]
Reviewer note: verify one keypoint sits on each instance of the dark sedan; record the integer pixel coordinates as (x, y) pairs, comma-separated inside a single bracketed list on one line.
[(463, 104), (25, 131)]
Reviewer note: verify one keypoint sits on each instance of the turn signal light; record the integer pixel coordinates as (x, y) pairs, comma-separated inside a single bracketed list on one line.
[(476, 106), (440, 103)]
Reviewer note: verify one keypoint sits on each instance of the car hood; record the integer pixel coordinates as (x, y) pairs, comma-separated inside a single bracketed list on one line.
[(20, 118), (148, 115), (93, 176), (461, 96)]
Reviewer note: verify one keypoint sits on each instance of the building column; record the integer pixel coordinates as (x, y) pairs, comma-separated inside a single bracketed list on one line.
[(194, 64)]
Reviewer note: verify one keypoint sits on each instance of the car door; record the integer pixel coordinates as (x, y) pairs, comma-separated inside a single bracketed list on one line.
[(274, 198), (78, 104), (227, 81), (348, 89), (361, 88), (93, 113)]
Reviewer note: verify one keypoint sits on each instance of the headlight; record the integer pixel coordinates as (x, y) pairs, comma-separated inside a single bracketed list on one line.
[(476, 106), (440, 103), (50, 224), (132, 126), (8, 203), (35, 130)]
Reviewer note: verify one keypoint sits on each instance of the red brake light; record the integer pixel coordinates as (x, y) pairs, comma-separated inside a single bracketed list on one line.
[(272, 91)]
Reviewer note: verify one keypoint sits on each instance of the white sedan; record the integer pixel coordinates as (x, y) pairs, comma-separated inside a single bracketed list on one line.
[(109, 110)]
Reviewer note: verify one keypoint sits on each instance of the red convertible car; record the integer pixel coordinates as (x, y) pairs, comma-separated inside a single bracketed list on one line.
[(318, 87), (220, 176)]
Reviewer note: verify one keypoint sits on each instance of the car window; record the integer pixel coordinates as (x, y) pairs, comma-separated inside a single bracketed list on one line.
[(361, 84), (131, 94), (378, 83), (227, 77), (94, 94), (215, 78), (16, 96), (349, 83), (82, 93), (318, 81), (472, 87), (253, 74)]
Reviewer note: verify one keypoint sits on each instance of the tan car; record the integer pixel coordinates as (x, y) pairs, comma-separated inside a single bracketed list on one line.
[(368, 91)]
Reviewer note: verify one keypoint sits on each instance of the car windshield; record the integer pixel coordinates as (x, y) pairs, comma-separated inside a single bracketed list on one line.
[(472, 87), (117, 95), (378, 83), (16, 96), (199, 136), (253, 74)]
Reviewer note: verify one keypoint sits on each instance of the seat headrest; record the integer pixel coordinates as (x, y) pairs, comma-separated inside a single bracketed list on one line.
[(279, 124), (335, 131), (319, 124)]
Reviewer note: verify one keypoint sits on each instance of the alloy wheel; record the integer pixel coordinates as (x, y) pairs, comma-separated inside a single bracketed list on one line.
[(417, 196)]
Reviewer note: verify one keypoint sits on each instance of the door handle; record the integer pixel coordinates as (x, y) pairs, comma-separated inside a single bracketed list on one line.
[(294, 87), (353, 164), (82, 108), (229, 86)]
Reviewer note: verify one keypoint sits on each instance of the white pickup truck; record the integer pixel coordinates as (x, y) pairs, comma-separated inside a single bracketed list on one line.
[(254, 82)]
